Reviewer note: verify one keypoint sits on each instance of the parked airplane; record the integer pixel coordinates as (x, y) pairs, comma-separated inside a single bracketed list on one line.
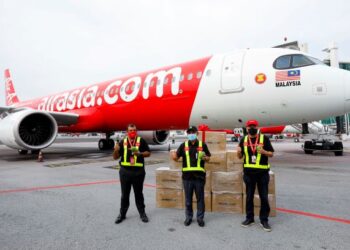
[(273, 86)]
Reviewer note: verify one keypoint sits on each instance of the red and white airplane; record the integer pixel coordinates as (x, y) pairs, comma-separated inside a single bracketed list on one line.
[(273, 86)]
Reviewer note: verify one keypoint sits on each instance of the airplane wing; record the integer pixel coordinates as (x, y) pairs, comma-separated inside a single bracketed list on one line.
[(9, 109), (4, 109), (65, 119), (62, 118)]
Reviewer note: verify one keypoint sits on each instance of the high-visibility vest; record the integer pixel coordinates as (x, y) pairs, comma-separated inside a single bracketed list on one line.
[(126, 161), (188, 161), (258, 156)]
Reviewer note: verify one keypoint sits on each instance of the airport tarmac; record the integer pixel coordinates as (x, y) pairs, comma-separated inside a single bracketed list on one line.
[(70, 201)]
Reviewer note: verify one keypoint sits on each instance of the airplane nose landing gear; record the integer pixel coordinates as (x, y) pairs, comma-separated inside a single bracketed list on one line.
[(106, 144)]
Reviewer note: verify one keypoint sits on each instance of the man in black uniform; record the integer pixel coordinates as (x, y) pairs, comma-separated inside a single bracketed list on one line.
[(132, 150), (256, 148), (194, 153)]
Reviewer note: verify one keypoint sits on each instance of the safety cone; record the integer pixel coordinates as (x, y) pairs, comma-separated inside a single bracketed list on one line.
[(40, 157)]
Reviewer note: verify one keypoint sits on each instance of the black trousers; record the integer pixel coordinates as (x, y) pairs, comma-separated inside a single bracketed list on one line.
[(262, 181), (135, 179), (196, 185)]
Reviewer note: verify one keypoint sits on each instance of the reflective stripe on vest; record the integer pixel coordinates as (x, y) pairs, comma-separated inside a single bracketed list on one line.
[(125, 161), (258, 157), (188, 161)]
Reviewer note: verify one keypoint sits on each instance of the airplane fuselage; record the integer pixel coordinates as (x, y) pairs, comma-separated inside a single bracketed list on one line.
[(221, 91)]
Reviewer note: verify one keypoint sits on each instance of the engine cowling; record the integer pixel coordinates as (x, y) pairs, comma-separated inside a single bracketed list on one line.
[(157, 137), (28, 129)]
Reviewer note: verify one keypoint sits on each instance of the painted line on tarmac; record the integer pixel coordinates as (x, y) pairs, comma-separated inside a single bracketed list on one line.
[(317, 216), (65, 186), (283, 210), (149, 185), (58, 186)]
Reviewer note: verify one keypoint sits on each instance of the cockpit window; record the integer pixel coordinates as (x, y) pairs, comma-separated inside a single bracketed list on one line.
[(295, 61), (316, 61), (283, 62), (301, 61)]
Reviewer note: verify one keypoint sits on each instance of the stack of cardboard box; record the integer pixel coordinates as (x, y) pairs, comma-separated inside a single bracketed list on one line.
[(224, 188), (233, 162), (169, 188), (216, 142), (227, 192)]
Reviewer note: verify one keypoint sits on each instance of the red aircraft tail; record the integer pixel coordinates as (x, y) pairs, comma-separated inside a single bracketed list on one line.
[(10, 93)]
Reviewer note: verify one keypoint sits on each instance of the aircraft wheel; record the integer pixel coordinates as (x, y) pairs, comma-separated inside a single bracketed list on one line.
[(111, 144), (102, 144)]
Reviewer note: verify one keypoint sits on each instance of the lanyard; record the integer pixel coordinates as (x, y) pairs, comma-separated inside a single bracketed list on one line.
[(253, 148), (132, 145)]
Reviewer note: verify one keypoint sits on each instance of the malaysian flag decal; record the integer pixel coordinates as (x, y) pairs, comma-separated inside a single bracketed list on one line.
[(290, 75)]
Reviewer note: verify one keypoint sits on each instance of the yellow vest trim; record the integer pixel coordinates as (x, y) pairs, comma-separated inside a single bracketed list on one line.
[(125, 161), (188, 161), (258, 157)]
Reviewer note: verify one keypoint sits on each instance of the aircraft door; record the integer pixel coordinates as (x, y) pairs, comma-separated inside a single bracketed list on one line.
[(231, 73)]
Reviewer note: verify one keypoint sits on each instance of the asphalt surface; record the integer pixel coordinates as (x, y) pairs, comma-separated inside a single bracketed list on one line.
[(70, 201)]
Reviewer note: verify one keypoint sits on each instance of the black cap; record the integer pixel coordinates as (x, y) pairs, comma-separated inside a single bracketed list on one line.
[(192, 129)]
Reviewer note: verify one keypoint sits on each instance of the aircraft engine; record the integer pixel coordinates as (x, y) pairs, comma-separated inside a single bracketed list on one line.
[(157, 137), (27, 129)]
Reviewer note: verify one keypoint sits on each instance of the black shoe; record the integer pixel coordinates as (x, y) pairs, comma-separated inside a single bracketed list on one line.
[(265, 225), (144, 218), (201, 223), (120, 218), (187, 222), (247, 223)]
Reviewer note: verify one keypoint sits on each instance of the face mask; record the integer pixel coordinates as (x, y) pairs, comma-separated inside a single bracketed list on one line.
[(192, 137), (253, 131), (132, 134)]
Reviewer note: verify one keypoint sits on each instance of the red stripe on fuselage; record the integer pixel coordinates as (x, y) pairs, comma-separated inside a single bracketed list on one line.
[(111, 105), (272, 130)]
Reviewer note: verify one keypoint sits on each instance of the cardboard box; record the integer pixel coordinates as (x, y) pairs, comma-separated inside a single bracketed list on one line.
[(232, 157), (257, 204), (227, 182), (207, 201), (168, 178), (216, 141), (169, 198), (217, 162), (227, 202), (272, 185), (207, 187), (234, 167), (174, 164)]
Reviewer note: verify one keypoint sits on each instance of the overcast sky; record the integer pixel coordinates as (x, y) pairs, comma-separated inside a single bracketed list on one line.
[(51, 46)]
